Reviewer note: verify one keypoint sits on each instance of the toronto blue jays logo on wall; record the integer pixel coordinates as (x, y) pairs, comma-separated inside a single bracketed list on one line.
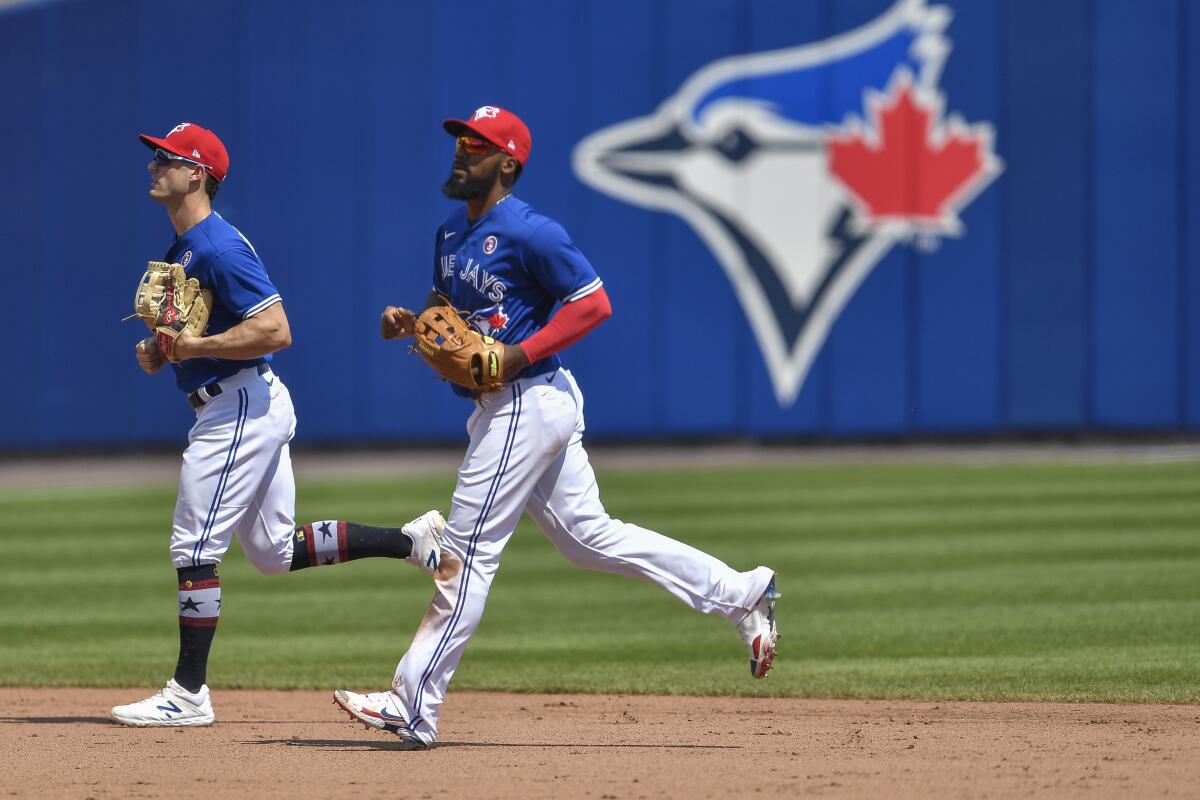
[(801, 168)]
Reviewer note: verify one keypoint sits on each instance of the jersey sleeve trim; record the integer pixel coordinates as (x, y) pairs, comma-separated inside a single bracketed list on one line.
[(583, 291), (262, 306)]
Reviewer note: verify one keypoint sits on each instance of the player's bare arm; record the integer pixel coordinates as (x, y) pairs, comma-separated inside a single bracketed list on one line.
[(262, 334), (515, 359)]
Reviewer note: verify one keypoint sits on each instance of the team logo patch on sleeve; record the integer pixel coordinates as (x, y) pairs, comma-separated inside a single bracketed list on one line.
[(489, 245), (842, 150)]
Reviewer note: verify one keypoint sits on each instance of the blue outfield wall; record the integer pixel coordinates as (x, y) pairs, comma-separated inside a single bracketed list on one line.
[(759, 288)]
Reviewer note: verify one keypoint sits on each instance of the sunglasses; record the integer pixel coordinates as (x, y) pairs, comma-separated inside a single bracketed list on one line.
[(163, 157), (473, 146)]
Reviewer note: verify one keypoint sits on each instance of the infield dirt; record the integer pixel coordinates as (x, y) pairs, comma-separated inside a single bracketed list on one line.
[(60, 743)]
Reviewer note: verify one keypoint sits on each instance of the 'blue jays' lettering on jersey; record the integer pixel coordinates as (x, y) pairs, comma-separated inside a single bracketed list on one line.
[(216, 254), (508, 271)]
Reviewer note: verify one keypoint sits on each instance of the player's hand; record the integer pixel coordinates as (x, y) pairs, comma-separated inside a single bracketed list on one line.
[(397, 323), (149, 358)]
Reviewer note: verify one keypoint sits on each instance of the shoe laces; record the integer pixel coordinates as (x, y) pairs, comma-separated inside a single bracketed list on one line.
[(383, 698)]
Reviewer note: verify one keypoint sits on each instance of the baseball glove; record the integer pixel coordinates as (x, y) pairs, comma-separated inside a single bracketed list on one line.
[(458, 352), (169, 303)]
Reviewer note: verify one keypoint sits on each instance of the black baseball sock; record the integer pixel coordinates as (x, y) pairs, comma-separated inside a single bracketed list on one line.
[(334, 541), (199, 608)]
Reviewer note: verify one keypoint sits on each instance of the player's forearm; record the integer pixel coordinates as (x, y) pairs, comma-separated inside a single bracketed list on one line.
[(260, 335), (568, 325)]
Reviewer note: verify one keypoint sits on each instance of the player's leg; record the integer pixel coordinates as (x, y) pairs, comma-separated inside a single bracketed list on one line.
[(234, 441), (566, 506), (336, 541), (513, 437), (274, 544)]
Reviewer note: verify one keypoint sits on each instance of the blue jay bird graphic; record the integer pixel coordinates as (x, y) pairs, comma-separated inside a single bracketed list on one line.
[(742, 152)]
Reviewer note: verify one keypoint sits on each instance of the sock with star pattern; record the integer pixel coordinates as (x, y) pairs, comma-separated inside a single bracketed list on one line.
[(333, 541), (199, 609)]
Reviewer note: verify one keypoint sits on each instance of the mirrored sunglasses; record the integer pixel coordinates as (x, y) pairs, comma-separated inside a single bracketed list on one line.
[(164, 157), (474, 146)]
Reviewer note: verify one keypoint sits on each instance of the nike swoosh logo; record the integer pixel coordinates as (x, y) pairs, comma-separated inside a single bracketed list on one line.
[(383, 712), (448, 234)]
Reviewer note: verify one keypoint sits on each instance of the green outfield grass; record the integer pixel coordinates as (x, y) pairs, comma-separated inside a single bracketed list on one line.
[(1046, 582)]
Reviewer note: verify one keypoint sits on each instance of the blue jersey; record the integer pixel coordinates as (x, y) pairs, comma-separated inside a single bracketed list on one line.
[(217, 255), (508, 271)]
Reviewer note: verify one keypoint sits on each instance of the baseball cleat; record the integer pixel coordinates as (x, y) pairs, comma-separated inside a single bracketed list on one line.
[(759, 633), (379, 711), (426, 534), (174, 706)]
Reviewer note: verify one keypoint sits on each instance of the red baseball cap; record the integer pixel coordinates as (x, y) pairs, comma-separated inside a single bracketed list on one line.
[(502, 128), (189, 140)]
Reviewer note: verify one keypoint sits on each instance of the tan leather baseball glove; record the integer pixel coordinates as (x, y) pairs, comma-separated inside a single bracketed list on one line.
[(458, 352), (169, 303)]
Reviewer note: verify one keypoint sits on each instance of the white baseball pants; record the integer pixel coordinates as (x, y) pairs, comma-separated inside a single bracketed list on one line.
[(236, 478), (526, 454)]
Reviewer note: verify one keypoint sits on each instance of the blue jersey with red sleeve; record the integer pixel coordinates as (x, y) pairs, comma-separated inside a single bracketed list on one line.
[(508, 271), (217, 255)]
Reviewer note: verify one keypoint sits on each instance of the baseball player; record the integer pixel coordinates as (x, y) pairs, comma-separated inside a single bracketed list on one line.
[(236, 478), (508, 267)]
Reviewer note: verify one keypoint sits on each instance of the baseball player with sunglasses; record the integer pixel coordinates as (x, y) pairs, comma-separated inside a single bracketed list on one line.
[(505, 268), (236, 478)]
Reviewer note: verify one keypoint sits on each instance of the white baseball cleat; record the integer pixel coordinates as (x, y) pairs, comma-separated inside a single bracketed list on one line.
[(174, 706), (758, 631), (426, 534), (379, 711)]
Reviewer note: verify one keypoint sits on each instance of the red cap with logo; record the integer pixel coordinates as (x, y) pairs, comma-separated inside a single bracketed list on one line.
[(194, 143), (502, 128)]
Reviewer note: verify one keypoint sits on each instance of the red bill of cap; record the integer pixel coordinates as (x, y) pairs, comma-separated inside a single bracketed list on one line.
[(502, 128), (191, 141)]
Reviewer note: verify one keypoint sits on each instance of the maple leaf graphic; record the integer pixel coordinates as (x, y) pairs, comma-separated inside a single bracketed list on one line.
[(911, 168)]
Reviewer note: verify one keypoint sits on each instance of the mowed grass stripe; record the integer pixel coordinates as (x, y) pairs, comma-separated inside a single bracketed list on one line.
[(766, 522), (871, 497), (1100, 510), (980, 581), (1052, 584), (838, 482)]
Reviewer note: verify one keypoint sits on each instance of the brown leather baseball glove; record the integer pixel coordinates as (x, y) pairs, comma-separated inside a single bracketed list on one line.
[(169, 303), (458, 352)]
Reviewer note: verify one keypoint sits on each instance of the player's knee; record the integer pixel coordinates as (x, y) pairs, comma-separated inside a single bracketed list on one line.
[(271, 566), (576, 556), (593, 530)]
